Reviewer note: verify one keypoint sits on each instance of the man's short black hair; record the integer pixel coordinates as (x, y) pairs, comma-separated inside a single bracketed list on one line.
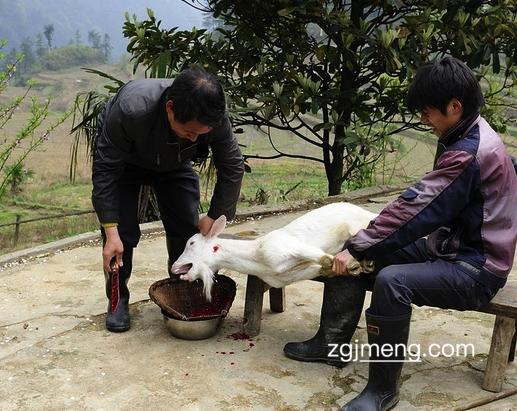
[(197, 95), (436, 84)]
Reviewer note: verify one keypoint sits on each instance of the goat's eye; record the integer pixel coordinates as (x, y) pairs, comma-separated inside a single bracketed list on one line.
[(191, 243)]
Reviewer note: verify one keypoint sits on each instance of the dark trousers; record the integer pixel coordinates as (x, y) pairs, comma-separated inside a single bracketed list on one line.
[(177, 193), (411, 276)]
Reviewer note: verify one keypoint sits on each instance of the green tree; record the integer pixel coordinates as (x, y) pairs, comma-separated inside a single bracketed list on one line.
[(95, 39), (106, 47), (15, 147), (77, 37), (332, 72), (39, 46), (17, 174), (71, 56), (6, 61), (48, 32), (29, 58)]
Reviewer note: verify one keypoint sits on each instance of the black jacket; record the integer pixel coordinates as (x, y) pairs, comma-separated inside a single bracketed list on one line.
[(133, 129)]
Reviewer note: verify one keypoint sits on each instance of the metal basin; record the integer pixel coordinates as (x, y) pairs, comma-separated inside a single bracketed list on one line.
[(186, 312), (192, 330)]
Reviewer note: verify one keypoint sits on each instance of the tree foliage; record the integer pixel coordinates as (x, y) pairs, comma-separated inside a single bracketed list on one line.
[(95, 39), (56, 58), (334, 73), (14, 148), (71, 56), (106, 47), (48, 32)]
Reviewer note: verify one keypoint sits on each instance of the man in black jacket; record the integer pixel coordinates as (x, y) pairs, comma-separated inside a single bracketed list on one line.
[(148, 133)]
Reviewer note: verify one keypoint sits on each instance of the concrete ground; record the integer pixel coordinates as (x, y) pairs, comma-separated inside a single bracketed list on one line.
[(56, 355)]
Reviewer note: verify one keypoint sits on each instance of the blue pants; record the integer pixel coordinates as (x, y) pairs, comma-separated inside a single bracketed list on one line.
[(412, 276)]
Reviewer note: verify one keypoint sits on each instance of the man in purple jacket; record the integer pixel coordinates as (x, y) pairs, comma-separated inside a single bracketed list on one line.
[(466, 208)]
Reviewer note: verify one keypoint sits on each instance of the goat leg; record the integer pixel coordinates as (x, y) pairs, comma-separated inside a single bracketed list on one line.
[(326, 266), (356, 268)]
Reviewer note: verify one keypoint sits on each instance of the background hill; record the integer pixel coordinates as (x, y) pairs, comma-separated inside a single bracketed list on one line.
[(27, 18)]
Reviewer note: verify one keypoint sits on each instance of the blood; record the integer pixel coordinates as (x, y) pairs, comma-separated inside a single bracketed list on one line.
[(242, 336), (239, 336), (114, 291), (206, 311), (209, 309), (250, 346)]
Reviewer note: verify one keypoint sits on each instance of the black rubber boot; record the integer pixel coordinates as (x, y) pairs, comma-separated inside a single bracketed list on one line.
[(117, 319), (343, 299), (382, 390), (175, 247)]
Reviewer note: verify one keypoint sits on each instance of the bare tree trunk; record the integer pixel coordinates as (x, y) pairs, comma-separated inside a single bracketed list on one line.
[(335, 171), (147, 205)]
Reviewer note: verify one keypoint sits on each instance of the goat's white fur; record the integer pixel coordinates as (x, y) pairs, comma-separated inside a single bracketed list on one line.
[(301, 250)]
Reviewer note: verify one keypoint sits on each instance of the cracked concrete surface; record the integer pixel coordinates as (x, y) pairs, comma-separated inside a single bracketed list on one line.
[(56, 355)]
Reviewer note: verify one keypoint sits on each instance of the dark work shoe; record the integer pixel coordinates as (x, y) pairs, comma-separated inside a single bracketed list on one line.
[(313, 350), (390, 335), (117, 319), (343, 299)]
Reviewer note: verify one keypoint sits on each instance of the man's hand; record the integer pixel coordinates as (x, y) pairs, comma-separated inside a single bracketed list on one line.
[(205, 224), (112, 248), (339, 266)]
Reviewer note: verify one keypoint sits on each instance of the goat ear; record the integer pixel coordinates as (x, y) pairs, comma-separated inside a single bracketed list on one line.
[(217, 227)]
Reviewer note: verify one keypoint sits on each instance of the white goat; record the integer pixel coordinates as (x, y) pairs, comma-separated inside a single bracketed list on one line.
[(301, 250)]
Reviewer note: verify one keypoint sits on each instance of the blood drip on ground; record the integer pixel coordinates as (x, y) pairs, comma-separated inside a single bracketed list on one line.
[(240, 336)]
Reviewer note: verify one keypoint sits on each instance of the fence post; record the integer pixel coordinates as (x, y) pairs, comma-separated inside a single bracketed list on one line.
[(17, 229)]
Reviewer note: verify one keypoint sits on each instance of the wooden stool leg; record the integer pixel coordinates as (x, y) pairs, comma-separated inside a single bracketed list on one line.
[(504, 330), (253, 306), (277, 299), (511, 355)]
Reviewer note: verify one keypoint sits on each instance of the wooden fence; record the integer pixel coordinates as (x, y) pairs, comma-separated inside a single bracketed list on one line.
[(19, 221)]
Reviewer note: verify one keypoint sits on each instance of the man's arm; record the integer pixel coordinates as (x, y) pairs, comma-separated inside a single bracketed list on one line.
[(229, 163), (107, 169), (434, 201)]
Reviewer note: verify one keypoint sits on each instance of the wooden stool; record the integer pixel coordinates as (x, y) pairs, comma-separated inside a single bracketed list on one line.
[(255, 289), (504, 336)]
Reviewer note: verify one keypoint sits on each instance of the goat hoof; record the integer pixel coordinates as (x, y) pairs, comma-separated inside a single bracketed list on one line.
[(367, 266), (326, 265)]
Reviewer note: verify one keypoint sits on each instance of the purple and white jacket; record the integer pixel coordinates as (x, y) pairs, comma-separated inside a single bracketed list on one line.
[(467, 206)]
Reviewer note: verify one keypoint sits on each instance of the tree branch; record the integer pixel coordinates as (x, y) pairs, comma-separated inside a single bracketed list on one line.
[(192, 3)]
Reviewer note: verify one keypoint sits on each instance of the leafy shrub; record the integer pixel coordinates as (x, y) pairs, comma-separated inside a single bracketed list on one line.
[(70, 56)]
